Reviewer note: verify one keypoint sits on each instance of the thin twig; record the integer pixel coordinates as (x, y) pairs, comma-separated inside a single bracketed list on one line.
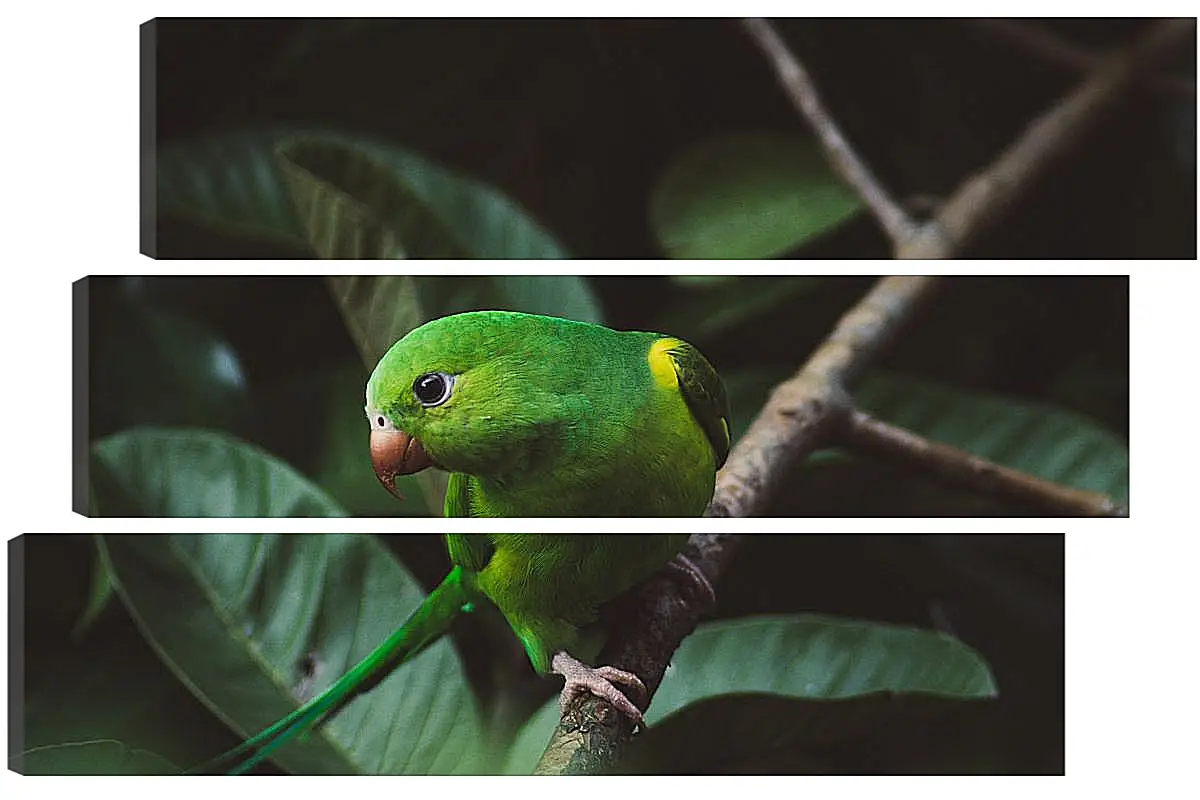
[(869, 435), (984, 197), (1050, 47), (800, 87), (802, 411)]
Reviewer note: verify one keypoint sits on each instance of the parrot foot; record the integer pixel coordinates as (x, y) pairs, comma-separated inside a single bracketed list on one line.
[(582, 679), (684, 566)]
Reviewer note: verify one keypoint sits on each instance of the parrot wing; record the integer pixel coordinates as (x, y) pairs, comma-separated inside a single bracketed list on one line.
[(704, 394)]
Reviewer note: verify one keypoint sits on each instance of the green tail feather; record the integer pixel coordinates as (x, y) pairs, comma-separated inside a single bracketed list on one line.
[(425, 626)]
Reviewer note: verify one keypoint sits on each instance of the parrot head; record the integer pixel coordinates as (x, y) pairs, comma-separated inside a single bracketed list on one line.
[(474, 392)]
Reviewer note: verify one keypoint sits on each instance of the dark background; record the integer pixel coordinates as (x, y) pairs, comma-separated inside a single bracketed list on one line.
[(1001, 594), (577, 119)]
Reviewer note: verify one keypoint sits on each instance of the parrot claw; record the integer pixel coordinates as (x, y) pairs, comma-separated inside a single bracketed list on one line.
[(684, 566), (599, 681)]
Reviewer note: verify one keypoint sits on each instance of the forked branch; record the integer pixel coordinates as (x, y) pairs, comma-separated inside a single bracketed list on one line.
[(814, 408), (983, 198), (810, 410)]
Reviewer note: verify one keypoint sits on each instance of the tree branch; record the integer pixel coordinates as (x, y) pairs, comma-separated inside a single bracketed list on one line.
[(807, 411), (869, 435), (661, 613), (1048, 46), (803, 411), (800, 88), (982, 198)]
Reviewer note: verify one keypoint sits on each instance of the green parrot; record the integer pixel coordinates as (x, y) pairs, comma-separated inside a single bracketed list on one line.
[(549, 587), (540, 416), (536, 416)]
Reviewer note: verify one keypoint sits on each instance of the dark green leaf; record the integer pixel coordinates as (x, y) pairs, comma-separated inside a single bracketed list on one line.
[(748, 195), (102, 757), (379, 310), (164, 472), (809, 656), (234, 182), (259, 623), (353, 207), (803, 657)]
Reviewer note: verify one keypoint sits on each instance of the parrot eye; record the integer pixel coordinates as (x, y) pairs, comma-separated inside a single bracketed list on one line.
[(433, 388)]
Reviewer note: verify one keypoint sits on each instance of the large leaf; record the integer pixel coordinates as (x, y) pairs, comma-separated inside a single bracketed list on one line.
[(235, 182), (809, 656), (748, 195), (379, 310), (1051, 443), (165, 472), (256, 624), (801, 657), (101, 757), (353, 207)]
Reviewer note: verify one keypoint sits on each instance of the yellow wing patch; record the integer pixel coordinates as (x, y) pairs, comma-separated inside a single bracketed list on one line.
[(662, 367)]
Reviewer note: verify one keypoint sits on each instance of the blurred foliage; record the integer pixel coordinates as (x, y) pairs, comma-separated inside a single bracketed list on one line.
[(101, 757), (538, 138), (886, 654), (242, 396), (340, 196), (256, 622), (748, 196)]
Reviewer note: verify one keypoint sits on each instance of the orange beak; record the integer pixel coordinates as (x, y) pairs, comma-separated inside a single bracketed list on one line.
[(396, 453)]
